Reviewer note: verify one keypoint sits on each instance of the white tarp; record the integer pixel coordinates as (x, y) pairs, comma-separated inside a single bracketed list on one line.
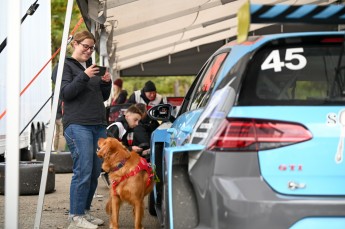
[(35, 52), (146, 30)]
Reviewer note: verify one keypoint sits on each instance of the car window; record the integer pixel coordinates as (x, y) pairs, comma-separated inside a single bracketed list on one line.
[(207, 82), (301, 74)]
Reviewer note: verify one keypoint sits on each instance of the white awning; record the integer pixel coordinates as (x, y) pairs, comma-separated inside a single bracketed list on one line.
[(134, 32)]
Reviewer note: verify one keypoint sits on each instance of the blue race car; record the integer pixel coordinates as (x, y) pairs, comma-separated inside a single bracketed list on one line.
[(259, 139)]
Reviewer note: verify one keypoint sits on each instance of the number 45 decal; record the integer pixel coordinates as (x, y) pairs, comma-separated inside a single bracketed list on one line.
[(273, 60)]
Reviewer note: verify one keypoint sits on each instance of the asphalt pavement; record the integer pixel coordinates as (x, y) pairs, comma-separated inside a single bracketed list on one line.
[(56, 205)]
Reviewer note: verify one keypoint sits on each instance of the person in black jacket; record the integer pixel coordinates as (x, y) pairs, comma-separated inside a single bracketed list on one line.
[(147, 95), (142, 133), (120, 95), (84, 122), (123, 128)]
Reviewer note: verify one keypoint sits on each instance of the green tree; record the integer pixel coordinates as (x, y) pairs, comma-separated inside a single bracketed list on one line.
[(58, 14)]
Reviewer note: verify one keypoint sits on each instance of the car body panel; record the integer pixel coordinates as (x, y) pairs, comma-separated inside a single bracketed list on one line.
[(169, 153), (252, 189), (317, 169), (182, 127)]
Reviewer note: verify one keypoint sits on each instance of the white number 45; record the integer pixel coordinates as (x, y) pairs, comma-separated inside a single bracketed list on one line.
[(273, 60)]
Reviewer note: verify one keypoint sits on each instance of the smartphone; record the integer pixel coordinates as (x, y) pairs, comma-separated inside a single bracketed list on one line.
[(102, 71)]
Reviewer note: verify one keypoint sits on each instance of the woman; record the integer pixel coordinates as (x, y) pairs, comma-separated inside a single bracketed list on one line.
[(84, 122), (119, 96)]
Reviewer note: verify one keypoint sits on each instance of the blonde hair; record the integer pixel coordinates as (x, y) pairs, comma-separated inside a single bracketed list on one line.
[(116, 93)]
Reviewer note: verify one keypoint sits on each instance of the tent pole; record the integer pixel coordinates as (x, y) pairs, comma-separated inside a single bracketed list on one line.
[(12, 121), (53, 115)]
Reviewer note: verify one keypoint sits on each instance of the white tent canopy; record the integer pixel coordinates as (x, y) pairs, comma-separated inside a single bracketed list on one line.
[(134, 32)]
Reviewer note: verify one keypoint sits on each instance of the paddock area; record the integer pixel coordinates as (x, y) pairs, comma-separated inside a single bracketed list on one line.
[(56, 207)]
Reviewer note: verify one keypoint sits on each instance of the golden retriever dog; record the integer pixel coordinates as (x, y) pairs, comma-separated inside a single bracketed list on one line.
[(130, 176)]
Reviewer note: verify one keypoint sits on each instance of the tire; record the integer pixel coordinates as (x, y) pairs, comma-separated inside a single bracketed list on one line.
[(43, 135), (30, 174), (39, 136), (25, 155), (33, 142), (62, 161), (151, 204), (185, 211)]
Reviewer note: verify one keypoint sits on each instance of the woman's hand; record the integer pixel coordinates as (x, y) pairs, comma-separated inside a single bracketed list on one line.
[(106, 77), (92, 71)]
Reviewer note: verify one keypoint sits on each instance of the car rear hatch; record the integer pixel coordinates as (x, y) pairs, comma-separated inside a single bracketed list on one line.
[(300, 149), (291, 111)]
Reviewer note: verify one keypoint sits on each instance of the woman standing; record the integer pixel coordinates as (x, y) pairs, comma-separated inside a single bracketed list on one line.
[(84, 122)]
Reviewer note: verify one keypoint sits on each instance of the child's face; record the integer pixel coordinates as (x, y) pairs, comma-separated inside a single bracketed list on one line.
[(132, 119)]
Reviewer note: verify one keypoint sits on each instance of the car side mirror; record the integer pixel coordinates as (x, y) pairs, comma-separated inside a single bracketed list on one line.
[(161, 112)]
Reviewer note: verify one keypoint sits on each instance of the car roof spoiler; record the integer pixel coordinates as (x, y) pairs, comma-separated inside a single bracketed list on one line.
[(280, 13)]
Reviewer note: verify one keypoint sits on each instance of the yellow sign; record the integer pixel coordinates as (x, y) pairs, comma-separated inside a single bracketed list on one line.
[(243, 20)]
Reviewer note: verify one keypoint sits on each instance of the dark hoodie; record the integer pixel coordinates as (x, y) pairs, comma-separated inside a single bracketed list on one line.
[(83, 96)]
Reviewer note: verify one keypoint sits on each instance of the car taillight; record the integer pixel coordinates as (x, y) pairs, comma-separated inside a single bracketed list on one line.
[(257, 134), (333, 40)]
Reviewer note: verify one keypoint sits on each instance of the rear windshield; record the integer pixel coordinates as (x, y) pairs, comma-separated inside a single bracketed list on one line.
[(296, 72)]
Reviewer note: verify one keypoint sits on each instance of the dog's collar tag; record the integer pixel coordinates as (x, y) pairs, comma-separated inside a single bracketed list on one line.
[(120, 165)]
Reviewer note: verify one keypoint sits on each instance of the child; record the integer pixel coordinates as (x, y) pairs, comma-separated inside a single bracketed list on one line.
[(123, 128)]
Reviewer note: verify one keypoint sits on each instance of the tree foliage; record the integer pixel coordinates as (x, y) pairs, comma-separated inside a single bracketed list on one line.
[(165, 85), (58, 13)]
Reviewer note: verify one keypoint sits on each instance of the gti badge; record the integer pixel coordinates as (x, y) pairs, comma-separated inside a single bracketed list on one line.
[(290, 167)]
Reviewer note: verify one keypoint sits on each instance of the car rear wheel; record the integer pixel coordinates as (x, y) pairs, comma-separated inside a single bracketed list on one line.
[(184, 202)]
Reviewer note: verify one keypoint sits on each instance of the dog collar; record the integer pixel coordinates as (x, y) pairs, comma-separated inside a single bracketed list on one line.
[(119, 166)]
